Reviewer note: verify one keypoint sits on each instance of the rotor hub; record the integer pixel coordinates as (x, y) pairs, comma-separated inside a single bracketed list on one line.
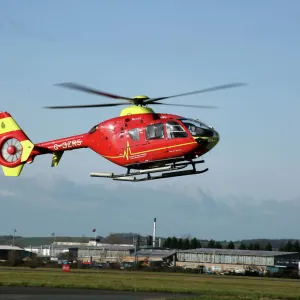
[(11, 150), (139, 99)]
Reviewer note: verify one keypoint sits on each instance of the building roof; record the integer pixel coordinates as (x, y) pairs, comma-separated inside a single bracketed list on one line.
[(155, 252), (104, 247), (236, 252), (8, 247)]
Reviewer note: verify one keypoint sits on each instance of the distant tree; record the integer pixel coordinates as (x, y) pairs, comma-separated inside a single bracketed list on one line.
[(138, 241), (295, 247), (180, 243), (149, 240), (230, 245), (167, 243), (268, 247), (281, 248), (186, 244), (211, 244), (256, 246), (218, 245), (243, 246), (194, 243), (113, 238), (174, 243), (250, 246), (288, 247)]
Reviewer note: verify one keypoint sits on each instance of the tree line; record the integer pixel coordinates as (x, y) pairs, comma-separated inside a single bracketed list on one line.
[(290, 247), (180, 243), (193, 243)]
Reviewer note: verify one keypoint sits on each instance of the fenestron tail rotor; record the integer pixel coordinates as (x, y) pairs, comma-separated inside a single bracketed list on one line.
[(137, 100)]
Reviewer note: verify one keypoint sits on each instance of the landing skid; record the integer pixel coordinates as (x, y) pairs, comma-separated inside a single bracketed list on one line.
[(171, 171)]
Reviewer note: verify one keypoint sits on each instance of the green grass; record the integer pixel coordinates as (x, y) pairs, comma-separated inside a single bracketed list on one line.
[(207, 287)]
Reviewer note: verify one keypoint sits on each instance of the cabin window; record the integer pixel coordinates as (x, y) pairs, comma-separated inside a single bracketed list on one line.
[(155, 131), (175, 130), (134, 134)]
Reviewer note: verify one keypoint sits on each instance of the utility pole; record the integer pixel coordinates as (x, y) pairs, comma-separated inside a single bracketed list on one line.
[(53, 235), (13, 250), (14, 237), (135, 254)]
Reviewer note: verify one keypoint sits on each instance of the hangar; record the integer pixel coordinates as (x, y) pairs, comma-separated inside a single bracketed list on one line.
[(220, 260), (103, 253), (151, 256), (7, 251)]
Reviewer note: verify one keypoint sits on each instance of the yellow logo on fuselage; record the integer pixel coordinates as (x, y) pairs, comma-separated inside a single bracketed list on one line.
[(127, 150)]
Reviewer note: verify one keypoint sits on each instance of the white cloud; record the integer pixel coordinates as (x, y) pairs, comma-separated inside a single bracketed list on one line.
[(6, 193)]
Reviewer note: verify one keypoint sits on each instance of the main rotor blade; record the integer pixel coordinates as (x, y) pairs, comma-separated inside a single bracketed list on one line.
[(220, 87), (85, 106), (185, 105), (86, 89)]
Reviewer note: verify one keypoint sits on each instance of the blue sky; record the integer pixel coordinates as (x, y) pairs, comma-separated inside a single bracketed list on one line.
[(157, 48)]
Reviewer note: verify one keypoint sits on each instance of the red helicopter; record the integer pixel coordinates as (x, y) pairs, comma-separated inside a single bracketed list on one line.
[(139, 139)]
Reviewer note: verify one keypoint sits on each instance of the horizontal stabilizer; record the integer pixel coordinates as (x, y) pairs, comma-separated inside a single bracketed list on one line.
[(56, 156)]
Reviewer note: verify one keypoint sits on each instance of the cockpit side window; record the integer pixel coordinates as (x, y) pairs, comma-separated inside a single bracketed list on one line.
[(195, 127), (155, 131), (175, 130), (134, 134)]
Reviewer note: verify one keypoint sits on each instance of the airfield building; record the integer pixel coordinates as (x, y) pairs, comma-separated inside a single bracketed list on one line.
[(104, 253), (222, 260), (9, 252), (155, 256)]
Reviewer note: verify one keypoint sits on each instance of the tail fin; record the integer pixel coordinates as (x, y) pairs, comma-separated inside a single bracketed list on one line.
[(15, 146)]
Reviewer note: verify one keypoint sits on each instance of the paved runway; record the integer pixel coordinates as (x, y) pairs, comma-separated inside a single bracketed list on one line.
[(31, 293)]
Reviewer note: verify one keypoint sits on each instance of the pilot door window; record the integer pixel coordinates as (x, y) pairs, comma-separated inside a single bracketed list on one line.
[(134, 134), (155, 131), (175, 130)]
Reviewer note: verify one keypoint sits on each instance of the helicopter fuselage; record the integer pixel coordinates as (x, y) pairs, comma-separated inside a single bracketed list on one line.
[(141, 140), (149, 140)]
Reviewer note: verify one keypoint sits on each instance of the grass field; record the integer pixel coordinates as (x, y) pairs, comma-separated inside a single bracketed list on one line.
[(206, 286)]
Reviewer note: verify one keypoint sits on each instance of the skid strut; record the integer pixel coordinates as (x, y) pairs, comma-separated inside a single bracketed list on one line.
[(169, 171)]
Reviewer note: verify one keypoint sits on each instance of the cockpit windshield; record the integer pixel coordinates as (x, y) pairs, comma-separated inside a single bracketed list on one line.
[(196, 128)]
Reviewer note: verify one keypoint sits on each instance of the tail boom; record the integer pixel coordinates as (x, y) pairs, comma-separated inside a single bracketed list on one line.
[(16, 148), (64, 144), (59, 146)]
